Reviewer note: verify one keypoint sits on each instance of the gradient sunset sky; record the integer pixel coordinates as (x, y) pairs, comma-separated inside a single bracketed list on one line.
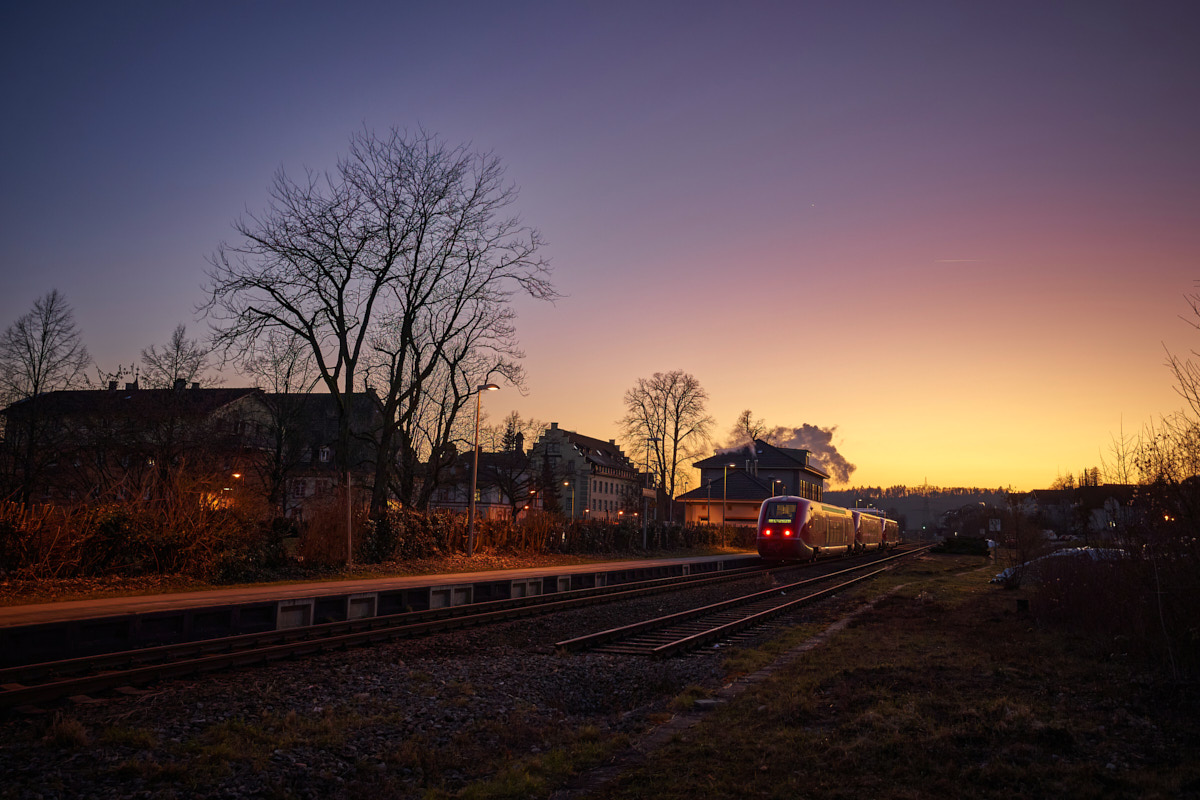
[(960, 232)]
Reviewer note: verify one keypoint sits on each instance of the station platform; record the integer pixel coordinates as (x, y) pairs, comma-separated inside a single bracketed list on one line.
[(67, 629)]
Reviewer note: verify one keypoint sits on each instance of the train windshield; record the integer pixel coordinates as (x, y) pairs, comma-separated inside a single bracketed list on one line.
[(781, 513)]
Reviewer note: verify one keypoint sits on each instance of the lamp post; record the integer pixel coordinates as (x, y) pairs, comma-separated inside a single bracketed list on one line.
[(487, 387), (645, 510), (725, 500), (572, 485)]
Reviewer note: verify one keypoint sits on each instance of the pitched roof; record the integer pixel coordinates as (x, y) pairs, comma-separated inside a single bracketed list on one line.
[(129, 401), (742, 486), (768, 457), (598, 451)]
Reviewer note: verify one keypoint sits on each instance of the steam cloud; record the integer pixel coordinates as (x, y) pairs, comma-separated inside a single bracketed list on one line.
[(817, 441)]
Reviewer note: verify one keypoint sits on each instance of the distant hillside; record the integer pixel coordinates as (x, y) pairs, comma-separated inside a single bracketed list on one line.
[(918, 506)]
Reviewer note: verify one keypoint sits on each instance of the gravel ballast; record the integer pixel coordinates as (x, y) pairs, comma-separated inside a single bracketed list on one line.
[(396, 720)]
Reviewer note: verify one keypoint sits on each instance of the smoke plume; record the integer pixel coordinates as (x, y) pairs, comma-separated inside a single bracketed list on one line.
[(817, 441)]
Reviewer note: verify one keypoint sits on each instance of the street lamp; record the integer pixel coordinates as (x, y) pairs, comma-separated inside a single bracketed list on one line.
[(645, 510), (572, 485), (487, 387)]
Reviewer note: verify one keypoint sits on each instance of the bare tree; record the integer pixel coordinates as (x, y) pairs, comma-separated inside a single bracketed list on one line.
[(1186, 371), (41, 352), (180, 359), (667, 412), (399, 261), (1121, 466), (747, 429), (512, 470)]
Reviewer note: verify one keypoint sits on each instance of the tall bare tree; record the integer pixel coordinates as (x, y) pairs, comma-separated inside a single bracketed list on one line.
[(667, 412), (392, 260), (180, 359), (42, 351), (747, 429)]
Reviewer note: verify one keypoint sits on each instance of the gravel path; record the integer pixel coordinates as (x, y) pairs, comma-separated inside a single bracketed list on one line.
[(398, 720)]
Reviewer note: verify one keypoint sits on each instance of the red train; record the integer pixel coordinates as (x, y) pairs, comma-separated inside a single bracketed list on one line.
[(796, 529)]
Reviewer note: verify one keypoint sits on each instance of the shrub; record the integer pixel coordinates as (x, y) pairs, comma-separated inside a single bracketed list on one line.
[(963, 545)]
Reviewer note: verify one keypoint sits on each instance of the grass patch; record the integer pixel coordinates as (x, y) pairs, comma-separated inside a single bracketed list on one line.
[(686, 700), (123, 736), (537, 775), (943, 689), (66, 732)]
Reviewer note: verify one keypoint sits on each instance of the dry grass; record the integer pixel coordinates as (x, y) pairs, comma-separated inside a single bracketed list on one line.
[(946, 691)]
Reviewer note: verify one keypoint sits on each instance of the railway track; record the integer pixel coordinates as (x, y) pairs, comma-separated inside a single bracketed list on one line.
[(34, 684), (674, 633)]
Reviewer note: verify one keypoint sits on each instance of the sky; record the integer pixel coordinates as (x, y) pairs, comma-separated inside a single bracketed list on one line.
[(960, 235)]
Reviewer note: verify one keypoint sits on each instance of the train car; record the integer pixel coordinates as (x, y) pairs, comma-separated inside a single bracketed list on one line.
[(796, 529), (891, 533), (868, 529)]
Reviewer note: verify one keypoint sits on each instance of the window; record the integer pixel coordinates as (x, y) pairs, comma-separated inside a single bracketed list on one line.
[(323, 455)]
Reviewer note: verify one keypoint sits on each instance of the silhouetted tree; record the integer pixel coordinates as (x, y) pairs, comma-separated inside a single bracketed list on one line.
[(42, 351), (180, 359), (669, 412), (747, 429), (400, 257)]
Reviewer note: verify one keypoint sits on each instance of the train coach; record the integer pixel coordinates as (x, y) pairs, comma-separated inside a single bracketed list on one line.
[(796, 529)]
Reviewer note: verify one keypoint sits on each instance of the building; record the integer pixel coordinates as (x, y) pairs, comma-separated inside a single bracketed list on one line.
[(597, 480), (121, 443), (222, 444), (504, 486), (734, 483), (300, 451)]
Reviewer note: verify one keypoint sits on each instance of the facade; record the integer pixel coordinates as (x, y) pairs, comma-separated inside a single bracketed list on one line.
[(301, 449), (223, 444), (596, 479), (1083, 511), (504, 482), (118, 444), (733, 484)]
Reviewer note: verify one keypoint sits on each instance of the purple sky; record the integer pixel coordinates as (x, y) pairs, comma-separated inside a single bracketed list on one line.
[(958, 232)]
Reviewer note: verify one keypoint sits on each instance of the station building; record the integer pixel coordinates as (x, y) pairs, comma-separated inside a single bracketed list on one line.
[(734, 483)]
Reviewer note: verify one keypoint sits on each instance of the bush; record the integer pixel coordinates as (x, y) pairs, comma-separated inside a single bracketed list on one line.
[(964, 546), (1145, 602)]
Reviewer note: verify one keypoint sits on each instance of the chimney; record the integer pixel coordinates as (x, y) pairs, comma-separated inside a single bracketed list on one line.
[(519, 443), (553, 426), (180, 384), (195, 384), (112, 386), (129, 387)]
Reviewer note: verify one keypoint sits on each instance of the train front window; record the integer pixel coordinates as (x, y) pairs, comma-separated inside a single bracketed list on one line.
[(781, 513)]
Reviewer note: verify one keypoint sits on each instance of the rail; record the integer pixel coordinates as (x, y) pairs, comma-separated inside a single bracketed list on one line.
[(667, 635)]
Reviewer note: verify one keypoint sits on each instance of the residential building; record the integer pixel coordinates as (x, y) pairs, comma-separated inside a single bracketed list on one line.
[(597, 480), (222, 444)]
